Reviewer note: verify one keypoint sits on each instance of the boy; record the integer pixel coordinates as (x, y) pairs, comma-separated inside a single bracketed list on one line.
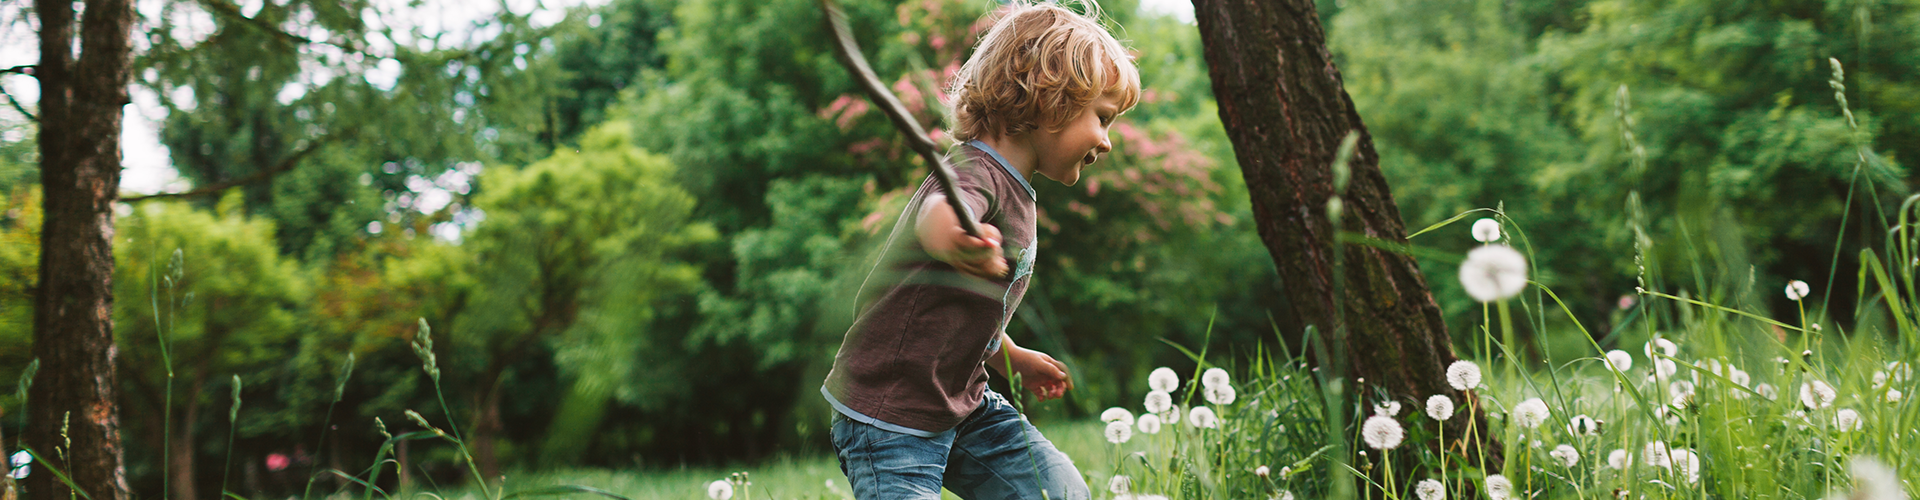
[(909, 384)]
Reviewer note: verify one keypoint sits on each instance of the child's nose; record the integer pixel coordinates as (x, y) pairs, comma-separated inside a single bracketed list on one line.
[(1106, 144)]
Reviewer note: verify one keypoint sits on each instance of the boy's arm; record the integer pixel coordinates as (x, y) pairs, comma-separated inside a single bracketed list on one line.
[(1039, 373), (943, 238)]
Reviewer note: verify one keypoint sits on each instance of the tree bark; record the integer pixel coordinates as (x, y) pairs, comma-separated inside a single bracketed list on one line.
[(80, 110), (1286, 112)]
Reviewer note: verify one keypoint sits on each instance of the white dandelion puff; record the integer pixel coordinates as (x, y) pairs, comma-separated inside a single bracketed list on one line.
[(1687, 464), (1120, 485), (1282, 495), (1158, 401), (1171, 416), (1214, 377), (1202, 416), (1816, 394), (1220, 394), (1493, 272), (1664, 346), (1148, 424), (1486, 230), (1797, 290), (1665, 368), (1382, 433), (1873, 480), (1566, 455), (1767, 391), (1619, 361), (1582, 425), (1430, 489), (1387, 408), (1440, 407), (1655, 454), (1893, 395), (1117, 414), (1499, 487), (1119, 432), (1619, 459), (1163, 380), (720, 490), (1530, 413), (1739, 376), (1463, 375), (1262, 471), (1847, 420)]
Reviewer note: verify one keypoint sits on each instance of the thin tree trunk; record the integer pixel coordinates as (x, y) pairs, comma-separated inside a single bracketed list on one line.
[(73, 410), (1286, 112), (180, 449)]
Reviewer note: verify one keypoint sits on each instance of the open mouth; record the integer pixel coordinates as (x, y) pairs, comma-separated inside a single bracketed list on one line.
[(1089, 159)]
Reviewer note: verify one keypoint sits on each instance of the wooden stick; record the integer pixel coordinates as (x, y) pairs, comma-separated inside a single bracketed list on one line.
[(849, 53)]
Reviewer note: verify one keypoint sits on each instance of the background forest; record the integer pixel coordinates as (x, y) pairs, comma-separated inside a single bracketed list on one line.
[(631, 230)]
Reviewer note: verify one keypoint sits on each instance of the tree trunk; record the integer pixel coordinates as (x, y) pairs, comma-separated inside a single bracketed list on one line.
[(1286, 112), (486, 429), (180, 449), (80, 111)]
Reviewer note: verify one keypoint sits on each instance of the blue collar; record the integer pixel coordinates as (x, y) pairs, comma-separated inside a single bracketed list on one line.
[(1003, 164)]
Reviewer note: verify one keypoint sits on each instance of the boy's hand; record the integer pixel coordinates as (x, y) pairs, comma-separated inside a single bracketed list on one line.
[(944, 239), (1041, 375)]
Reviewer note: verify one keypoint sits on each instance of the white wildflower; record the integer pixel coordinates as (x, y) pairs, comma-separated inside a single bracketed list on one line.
[(1493, 272), (1382, 433), (1893, 395), (1120, 485), (1202, 416), (1171, 416), (1117, 414), (1220, 394), (1619, 361), (1566, 455), (1847, 420), (1665, 368), (1163, 379), (1282, 495), (1214, 377), (1739, 376), (1486, 230), (1429, 489), (1530, 413), (1463, 375), (1148, 424), (1440, 407), (1582, 425), (1387, 408), (22, 464), (1262, 471), (1797, 290), (1158, 401), (1499, 487), (1655, 454), (1816, 394), (1687, 464), (720, 490), (1766, 391), (1119, 432), (1619, 459)]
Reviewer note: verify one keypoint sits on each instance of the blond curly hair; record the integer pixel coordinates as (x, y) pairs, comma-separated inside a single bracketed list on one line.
[(1039, 66)]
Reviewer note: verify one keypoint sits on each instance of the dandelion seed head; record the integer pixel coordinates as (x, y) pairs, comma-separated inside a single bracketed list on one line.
[(1686, 463), (1440, 407), (1202, 416), (1655, 454), (1665, 368), (1816, 394), (1463, 375), (1214, 377), (1530, 413), (1486, 230), (1619, 361), (1565, 455), (1797, 290), (1163, 379), (1847, 420), (1148, 424), (1663, 346), (1282, 495), (1119, 432), (1893, 395), (1619, 459), (1262, 471), (1382, 432), (1430, 489), (1873, 480), (1158, 401), (1582, 425), (1739, 376), (1117, 414), (1767, 391), (1171, 416), (720, 490), (1120, 485), (1499, 487), (1387, 408), (1220, 394), (1493, 272)]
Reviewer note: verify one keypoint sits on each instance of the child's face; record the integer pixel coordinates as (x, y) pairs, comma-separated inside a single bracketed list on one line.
[(1064, 153)]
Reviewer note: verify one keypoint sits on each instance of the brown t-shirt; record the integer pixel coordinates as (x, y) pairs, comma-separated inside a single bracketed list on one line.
[(915, 359)]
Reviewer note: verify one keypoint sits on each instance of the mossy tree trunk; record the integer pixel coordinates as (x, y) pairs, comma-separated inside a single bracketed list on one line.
[(1286, 112)]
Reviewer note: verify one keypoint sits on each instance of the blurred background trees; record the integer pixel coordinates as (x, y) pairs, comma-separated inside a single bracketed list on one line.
[(631, 226)]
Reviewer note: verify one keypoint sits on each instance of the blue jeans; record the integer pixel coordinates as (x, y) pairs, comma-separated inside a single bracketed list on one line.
[(992, 455)]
